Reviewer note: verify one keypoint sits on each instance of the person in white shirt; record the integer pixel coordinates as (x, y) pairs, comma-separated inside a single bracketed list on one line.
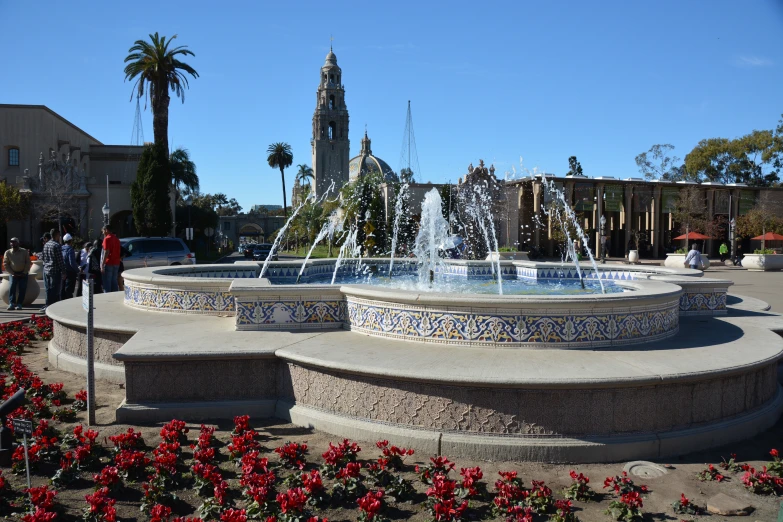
[(693, 259)]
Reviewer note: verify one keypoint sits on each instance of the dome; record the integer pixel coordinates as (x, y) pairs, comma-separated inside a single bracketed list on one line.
[(331, 59), (365, 163)]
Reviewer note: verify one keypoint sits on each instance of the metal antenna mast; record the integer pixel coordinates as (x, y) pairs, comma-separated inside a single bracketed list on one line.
[(137, 135), (409, 156)]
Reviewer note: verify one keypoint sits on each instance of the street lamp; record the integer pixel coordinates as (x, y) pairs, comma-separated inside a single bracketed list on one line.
[(189, 233), (602, 222), (106, 212)]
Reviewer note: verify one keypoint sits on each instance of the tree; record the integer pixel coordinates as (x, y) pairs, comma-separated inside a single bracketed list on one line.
[(159, 69), (765, 216), (757, 154), (281, 157), (690, 211), (574, 167), (14, 205), (183, 172), (57, 191), (406, 175), (150, 193), (305, 174), (656, 164), (753, 159)]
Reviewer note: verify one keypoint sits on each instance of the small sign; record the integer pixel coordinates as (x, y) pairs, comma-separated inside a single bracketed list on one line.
[(22, 426), (209, 232), (86, 295)]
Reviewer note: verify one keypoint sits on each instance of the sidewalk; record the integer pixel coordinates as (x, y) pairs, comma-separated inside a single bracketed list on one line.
[(8, 316)]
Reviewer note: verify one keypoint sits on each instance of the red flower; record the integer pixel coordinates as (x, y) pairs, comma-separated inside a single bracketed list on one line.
[(160, 513), (774, 453), (292, 500), (684, 500), (233, 515), (371, 504)]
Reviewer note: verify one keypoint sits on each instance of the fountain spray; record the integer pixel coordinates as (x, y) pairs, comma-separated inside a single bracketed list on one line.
[(401, 196), (281, 234), (433, 235)]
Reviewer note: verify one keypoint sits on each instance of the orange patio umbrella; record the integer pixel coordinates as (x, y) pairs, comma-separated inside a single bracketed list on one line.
[(692, 235), (769, 236)]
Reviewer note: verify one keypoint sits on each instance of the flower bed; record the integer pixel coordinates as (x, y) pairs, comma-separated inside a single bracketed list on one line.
[(178, 472)]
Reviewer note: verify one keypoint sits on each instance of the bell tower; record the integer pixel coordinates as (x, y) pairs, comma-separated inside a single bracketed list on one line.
[(330, 130)]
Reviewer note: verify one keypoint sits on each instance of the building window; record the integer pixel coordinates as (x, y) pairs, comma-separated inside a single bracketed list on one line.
[(331, 102), (13, 157), (332, 130)]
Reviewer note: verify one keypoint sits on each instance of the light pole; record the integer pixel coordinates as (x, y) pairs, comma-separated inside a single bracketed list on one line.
[(106, 212), (602, 222), (189, 233)]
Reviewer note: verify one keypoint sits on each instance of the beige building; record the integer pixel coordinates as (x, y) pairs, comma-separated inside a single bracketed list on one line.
[(68, 173)]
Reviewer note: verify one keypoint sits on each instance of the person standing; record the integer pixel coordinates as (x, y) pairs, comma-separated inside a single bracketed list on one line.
[(110, 260), (83, 255), (54, 268), (16, 261), (723, 251), (71, 268), (693, 259)]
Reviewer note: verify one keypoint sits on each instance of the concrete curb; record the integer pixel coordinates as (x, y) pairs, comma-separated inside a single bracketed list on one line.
[(193, 411), (70, 363)]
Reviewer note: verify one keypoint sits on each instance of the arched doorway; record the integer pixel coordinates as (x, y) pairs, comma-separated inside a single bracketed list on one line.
[(122, 224), (251, 233)]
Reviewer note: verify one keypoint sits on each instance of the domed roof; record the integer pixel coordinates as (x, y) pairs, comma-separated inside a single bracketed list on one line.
[(331, 59), (365, 163)]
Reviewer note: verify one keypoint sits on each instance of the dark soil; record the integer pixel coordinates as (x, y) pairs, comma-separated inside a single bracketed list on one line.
[(657, 503)]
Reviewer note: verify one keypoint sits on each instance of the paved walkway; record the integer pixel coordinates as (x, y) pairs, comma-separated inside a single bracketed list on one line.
[(7, 316)]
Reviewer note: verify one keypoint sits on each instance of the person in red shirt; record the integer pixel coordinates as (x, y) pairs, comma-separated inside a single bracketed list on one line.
[(110, 260)]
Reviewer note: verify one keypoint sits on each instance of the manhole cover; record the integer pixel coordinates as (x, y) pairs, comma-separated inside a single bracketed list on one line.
[(644, 469)]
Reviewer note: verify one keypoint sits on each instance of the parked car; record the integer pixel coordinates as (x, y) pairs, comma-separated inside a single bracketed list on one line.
[(261, 252), (156, 251), (248, 248)]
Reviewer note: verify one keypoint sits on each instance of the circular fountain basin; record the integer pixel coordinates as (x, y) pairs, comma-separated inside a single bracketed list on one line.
[(349, 359), (647, 312)]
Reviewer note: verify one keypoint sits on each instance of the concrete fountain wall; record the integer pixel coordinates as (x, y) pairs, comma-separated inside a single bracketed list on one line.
[(318, 356)]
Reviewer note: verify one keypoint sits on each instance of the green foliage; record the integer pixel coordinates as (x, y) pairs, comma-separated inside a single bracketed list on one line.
[(755, 159), (14, 205), (281, 157), (150, 193), (406, 175), (157, 68), (183, 172), (765, 216), (656, 164), (764, 251), (574, 167), (305, 174)]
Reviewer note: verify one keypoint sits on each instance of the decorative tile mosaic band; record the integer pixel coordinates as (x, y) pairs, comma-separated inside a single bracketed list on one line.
[(274, 314), (512, 328), (704, 302), (212, 302), (322, 272), (230, 272)]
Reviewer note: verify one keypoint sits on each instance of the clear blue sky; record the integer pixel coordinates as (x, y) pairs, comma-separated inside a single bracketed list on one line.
[(499, 80)]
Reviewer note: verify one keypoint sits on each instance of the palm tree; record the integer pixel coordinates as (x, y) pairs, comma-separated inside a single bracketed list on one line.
[(154, 64), (305, 174), (183, 172), (281, 157)]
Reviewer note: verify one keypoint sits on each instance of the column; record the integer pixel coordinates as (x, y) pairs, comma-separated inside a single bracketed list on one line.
[(655, 222), (710, 214), (628, 211), (598, 209), (537, 211)]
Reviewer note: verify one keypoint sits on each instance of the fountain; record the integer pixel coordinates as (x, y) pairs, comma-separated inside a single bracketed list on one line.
[(533, 368), (432, 237)]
